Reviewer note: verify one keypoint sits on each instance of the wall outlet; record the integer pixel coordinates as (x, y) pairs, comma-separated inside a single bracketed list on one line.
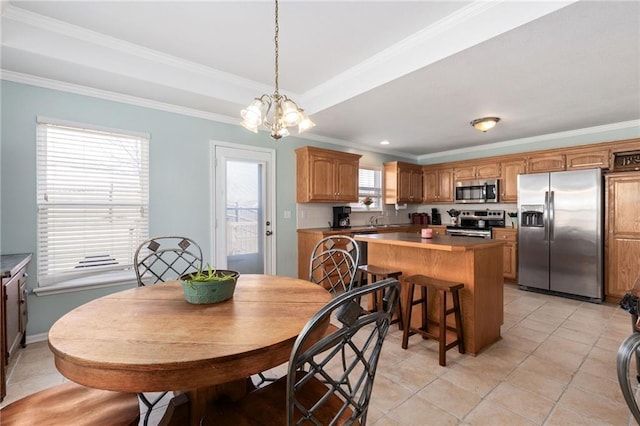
[(287, 214)]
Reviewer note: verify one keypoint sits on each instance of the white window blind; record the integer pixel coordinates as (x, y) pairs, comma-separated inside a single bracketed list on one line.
[(93, 200), (369, 185)]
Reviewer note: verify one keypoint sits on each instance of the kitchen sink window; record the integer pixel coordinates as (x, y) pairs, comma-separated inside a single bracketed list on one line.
[(369, 190), (93, 203)]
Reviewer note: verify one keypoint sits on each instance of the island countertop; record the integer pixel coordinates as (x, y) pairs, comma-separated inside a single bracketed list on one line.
[(438, 242)]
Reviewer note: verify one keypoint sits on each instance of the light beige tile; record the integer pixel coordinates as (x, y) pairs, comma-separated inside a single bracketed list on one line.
[(407, 375), (528, 333), (531, 405), (537, 383), (387, 395), (450, 398), (471, 379), (594, 406), (606, 386), (491, 413), (563, 417), (547, 369), (418, 411), (583, 336)]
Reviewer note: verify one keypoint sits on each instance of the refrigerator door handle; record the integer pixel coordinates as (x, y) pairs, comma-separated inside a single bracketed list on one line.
[(551, 216), (545, 216)]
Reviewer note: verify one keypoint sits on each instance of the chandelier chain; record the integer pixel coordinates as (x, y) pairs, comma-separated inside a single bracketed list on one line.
[(276, 43)]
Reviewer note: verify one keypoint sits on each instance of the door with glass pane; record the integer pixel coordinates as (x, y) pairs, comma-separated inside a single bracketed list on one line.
[(243, 199)]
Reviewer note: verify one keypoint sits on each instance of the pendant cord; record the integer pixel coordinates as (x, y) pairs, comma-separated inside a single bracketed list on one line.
[(276, 43)]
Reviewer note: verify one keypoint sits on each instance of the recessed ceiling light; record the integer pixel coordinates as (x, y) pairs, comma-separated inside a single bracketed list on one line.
[(384, 143)]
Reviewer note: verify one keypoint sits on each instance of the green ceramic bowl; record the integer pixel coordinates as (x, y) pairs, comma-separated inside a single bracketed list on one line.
[(212, 291)]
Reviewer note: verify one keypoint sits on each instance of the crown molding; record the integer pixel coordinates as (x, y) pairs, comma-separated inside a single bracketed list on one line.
[(631, 124), (112, 96)]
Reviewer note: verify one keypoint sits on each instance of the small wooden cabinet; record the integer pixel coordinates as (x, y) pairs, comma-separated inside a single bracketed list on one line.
[(438, 185), (510, 250), (439, 229), (588, 159), (478, 171), (13, 300), (546, 163), (402, 183), (326, 176), (622, 243), (509, 180)]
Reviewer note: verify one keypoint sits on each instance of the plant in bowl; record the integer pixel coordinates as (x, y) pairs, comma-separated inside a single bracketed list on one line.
[(209, 285)]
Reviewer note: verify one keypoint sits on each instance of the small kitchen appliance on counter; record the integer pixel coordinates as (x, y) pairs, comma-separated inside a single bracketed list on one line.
[(435, 217), (477, 223), (341, 217)]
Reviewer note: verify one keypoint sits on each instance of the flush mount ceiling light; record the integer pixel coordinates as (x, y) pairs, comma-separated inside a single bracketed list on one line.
[(276, 112), (485, 123)]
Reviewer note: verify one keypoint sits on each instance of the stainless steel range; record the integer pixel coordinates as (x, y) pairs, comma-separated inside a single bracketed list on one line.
[(477, 223)]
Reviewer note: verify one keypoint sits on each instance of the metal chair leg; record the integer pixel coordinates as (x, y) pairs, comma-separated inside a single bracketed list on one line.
[(629, 380)]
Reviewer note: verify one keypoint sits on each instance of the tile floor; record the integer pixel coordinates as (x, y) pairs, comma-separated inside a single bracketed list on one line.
[(555, 365)]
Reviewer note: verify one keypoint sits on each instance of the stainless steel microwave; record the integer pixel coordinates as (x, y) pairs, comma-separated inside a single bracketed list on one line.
[(476, 191)]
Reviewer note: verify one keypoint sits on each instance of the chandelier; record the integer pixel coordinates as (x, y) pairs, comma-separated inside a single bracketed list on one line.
[(276, 112)]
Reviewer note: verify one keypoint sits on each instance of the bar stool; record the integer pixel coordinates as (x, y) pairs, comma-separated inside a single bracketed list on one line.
[(436, 330), (376, 273)]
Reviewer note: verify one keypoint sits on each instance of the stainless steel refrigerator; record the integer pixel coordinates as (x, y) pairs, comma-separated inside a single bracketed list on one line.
[(560, 219)]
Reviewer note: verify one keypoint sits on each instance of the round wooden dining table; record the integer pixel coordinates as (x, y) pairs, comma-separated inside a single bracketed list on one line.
[(150, 339)]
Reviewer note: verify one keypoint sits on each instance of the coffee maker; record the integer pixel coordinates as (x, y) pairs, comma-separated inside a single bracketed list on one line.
[(435, 217), (341, 217)]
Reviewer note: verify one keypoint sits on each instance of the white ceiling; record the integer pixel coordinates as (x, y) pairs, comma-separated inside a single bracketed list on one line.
[(415, 72)]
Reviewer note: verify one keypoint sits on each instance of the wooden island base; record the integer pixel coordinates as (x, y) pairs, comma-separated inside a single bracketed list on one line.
[(477, 263)]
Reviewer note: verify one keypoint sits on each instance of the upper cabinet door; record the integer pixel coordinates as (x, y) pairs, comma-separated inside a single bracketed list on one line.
[(326, 176), (588, 159), (546, 163), (509, 182)]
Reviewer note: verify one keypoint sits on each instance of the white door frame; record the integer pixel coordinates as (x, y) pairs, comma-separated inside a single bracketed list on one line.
[(218, 231)]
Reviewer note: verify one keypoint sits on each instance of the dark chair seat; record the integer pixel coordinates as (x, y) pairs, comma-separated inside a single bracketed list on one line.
[(73, 404)]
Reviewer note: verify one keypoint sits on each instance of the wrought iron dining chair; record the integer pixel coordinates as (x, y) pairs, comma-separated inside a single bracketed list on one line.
[(161, 259), (334, 263), (165, 258), (314, 390)]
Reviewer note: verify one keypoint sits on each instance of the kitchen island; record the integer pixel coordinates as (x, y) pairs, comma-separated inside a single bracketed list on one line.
[(475, 262)]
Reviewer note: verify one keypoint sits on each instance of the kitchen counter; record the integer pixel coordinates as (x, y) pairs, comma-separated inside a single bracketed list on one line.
[(10, 264), (438, 242), (402, 227), (475, 262)]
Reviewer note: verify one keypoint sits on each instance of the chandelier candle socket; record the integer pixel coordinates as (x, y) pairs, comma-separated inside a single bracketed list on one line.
[(276, 112)]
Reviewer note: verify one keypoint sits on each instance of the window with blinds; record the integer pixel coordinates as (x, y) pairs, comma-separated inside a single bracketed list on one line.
[(93, 200), (369, 186)]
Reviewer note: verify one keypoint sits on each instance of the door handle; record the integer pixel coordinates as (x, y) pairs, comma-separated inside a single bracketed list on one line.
[(268, 233)]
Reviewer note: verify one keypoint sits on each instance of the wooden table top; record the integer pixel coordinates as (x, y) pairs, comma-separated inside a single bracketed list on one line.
[(150, 339)]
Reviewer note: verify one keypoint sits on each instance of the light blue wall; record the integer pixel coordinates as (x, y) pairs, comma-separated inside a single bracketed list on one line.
[(179, 170)]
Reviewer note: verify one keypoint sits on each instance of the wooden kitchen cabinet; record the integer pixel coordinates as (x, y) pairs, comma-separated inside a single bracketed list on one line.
[(13, 300), (438, 185), (402, 183), (509, 180), (326, 176), (439, 229), (546, 163), (588, 159), (510, 250), (478, 171), (622, 244)]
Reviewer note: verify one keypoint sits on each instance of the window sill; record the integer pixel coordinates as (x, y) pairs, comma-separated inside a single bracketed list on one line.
[(109, 279)]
